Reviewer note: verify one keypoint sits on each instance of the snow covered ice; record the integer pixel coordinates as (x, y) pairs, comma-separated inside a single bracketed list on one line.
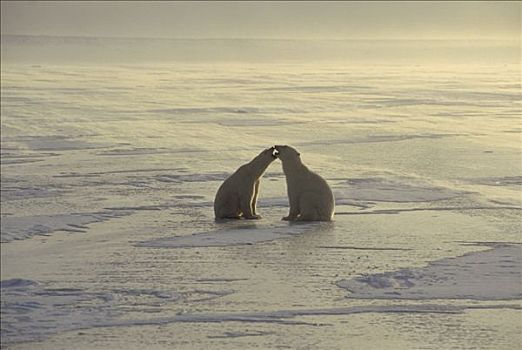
[(109, 170)]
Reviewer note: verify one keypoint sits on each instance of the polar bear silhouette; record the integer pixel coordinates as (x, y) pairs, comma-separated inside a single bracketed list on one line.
[(310, 197), (237, 195)]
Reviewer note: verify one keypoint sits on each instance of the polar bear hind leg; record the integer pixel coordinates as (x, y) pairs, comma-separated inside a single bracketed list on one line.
[(228, 208), (311, 208)]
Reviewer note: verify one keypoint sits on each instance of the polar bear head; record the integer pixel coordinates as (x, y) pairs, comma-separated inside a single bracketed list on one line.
[(286, 153), (266, 156)]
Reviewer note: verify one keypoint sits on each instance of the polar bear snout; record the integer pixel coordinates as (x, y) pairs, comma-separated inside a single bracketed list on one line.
[(285, 152), (274, 151)]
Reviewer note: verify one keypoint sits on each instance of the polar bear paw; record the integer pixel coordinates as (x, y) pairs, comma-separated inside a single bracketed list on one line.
[(252, 217)]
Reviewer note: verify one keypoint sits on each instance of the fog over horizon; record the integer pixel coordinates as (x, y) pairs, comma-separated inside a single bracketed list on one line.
[(92, 50), (264, 20)]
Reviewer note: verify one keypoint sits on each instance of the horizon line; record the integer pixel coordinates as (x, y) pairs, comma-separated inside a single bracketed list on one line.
[(262, 38)]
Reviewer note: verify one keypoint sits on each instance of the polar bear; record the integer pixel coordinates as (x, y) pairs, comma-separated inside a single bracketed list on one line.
[(237, 196), (310, 197)]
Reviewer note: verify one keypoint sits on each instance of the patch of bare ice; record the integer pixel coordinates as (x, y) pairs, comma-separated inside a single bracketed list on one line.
[(22, 227), (494, 274), (385, 190)]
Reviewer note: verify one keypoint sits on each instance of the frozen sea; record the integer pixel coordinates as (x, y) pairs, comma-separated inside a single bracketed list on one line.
[(109, 169)]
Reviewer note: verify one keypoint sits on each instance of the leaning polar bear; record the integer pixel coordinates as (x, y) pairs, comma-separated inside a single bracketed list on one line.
[(237, 196), (310, 197)]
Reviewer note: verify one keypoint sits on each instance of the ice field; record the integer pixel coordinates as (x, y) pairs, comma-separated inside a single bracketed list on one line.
[(108, 176)]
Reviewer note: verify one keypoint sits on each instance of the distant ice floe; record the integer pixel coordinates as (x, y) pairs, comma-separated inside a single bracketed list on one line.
[(241, 235), (387, 190), (493, 274)]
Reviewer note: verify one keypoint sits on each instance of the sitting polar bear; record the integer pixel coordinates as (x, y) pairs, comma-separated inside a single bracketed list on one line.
[(310, 197), (237, 196)]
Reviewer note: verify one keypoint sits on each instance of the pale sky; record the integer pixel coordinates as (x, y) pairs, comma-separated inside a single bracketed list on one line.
[(333, 20)]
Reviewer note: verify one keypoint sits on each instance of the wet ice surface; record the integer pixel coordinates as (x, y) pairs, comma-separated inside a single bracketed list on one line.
[(240, 235), (109, 174)]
